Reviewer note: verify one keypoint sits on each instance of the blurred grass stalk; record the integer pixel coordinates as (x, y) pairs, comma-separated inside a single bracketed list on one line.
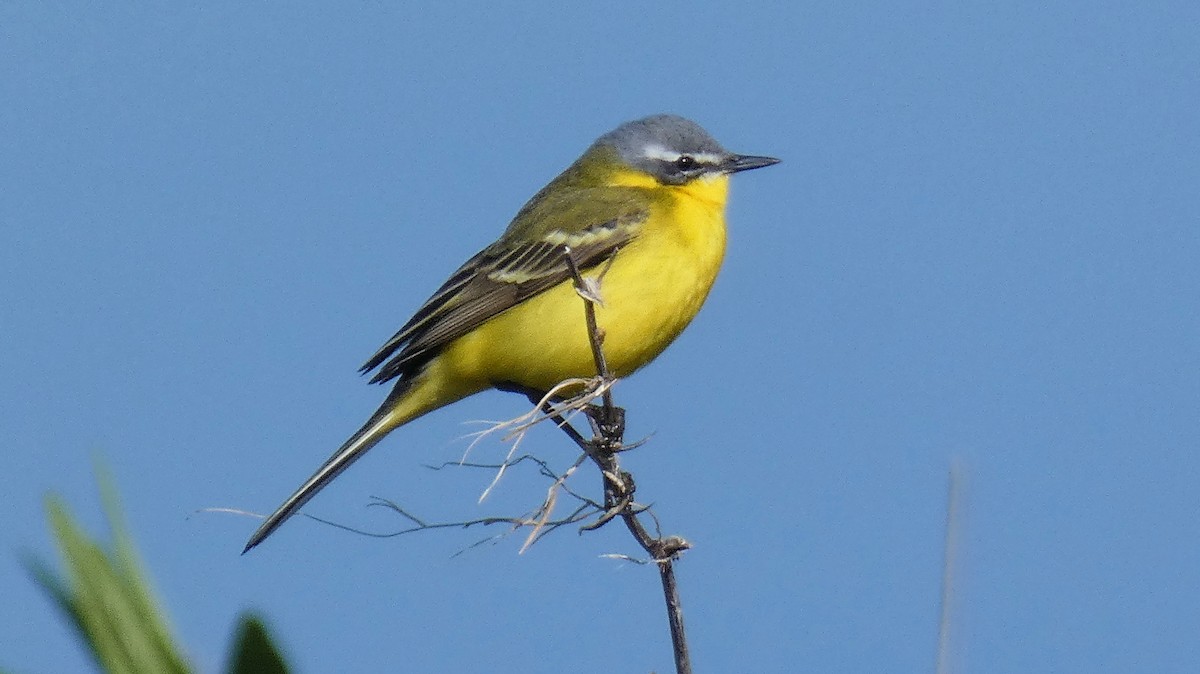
[(108, 598)]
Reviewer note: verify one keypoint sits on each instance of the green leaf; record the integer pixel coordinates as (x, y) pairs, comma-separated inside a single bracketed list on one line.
[(109, 600), (106, 595), (253, 652)]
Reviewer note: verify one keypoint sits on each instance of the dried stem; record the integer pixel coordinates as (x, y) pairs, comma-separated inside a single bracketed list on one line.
[(949, 564), (608, 426)]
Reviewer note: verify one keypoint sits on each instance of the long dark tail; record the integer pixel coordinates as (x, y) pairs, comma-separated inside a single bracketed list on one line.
[(397, 410)]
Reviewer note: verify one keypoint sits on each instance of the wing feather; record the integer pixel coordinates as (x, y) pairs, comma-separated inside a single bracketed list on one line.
[(495, 280)]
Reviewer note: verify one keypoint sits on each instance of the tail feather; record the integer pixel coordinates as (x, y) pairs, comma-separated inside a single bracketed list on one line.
[(386, 419)]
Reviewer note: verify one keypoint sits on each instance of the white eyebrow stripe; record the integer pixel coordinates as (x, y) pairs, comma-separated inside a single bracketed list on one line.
[(660, 152), (668, 155)]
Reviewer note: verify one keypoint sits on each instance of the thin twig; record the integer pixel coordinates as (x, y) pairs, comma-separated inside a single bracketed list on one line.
[(608, 426), (591, 296), (949, 564), (539, 520), (683, 661)]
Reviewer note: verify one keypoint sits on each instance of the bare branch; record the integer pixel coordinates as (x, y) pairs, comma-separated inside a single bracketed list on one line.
[(608, 428), (545, 525), (950, 553)]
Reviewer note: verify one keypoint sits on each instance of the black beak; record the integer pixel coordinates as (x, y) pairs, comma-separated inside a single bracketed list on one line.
[(745, 162)]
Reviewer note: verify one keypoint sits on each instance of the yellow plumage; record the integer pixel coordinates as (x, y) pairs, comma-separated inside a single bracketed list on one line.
[(653, 289)]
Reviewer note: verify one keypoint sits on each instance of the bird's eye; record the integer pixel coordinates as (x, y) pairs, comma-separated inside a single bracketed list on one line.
[(685, 162)]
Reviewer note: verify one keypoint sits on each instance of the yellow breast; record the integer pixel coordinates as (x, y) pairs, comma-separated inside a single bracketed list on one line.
[(653, 289)]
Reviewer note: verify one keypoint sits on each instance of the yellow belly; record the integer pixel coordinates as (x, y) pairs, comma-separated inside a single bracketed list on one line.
[(653, 289)]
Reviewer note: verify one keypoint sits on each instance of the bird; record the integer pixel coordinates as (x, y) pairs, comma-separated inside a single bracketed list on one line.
[(642, 210)]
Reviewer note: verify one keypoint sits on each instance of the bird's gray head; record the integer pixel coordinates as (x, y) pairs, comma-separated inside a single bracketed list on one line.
[(675, 150)]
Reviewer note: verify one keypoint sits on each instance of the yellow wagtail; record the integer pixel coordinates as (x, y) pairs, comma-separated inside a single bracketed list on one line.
[(644, 205)]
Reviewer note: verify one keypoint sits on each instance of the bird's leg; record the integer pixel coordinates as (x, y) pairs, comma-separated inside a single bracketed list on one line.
[(608, 423)]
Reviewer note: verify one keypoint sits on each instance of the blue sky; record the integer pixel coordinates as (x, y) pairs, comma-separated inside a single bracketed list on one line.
[(982, 245)]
